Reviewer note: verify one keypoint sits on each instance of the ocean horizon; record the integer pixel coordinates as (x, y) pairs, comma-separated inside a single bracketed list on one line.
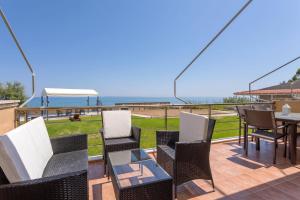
[(112, 100)]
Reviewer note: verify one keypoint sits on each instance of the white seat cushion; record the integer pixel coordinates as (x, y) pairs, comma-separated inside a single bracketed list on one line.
[(192, 127), (25, 151), (117, 123)]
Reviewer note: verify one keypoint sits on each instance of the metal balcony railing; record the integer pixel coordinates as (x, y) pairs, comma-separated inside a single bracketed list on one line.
[(148, 117)]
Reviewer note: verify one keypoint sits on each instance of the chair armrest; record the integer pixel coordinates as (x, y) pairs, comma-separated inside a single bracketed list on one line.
[(282, 126), (67, 186), (69, 143), (167, 138), (136, 133)]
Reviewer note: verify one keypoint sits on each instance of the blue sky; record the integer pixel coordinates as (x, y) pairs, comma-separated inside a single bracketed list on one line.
[(136, 48)]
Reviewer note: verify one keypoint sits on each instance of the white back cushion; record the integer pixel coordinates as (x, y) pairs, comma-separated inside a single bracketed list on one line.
[(25, 151), (40, 139), (117, 123), (192, 127)]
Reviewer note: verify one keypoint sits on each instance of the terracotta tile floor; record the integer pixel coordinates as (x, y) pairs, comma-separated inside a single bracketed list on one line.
[(235, 176)]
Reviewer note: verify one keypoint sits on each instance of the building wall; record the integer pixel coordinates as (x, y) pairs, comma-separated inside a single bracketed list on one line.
[(275, 97), (265, 97), (295, 105), (7, 115)]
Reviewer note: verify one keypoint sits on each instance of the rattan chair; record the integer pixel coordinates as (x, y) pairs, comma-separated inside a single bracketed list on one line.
[(185, 161), (262, 107), (241, 114), (118, 143), (64, 178), (266, 128)]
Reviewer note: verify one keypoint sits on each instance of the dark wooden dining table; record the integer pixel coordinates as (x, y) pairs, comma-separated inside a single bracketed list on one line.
[(292, 120)]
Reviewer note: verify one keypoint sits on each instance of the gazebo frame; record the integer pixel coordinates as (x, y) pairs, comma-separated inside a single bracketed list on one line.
[(62, 92)]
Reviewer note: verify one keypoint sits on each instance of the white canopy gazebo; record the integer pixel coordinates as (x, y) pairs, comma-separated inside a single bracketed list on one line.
[(62, 92)]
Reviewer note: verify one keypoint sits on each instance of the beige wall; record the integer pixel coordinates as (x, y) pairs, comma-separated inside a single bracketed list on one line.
[(7, 115), (295, 105), (7, 119)]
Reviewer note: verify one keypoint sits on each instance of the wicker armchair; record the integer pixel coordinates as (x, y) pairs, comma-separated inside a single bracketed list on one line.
[(64, 178), (120, 144), (185, 161), (114, 119)]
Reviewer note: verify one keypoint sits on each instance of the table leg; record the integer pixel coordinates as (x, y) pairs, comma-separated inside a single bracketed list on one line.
[(245, 140), (292, 131)]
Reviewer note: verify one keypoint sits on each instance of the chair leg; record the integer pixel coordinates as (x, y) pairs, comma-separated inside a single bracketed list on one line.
[(108, 172), (240, 135), (257, 141), (240, 132), (246, 140), (213, 184), (175, 191), (252, 137), (105, 164), (289, 151), (285, 146), (275, 151)]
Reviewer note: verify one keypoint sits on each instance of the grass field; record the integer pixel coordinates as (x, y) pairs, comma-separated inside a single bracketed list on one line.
[(225, 127)]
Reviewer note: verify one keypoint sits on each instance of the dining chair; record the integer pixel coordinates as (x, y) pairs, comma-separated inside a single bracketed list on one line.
[(262, 107), (241, 114), (266, 128)]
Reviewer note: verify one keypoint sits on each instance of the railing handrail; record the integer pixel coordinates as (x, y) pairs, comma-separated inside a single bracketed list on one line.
[(13, 35), (165, 118), (269, 73), (138, 106), (207, 46)]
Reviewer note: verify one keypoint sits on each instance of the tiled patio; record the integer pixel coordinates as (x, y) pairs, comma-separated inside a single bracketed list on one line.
[(235, 176)]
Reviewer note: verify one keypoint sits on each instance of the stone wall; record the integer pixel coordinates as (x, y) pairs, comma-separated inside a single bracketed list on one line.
[(7, 115)]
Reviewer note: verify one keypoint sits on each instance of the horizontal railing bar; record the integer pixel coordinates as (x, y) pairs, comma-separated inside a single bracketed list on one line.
[(224, 130), (226, 121), (60, 122), (137, 106)]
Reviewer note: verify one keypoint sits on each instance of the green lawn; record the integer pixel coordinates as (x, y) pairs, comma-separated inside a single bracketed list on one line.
[(225, 127)]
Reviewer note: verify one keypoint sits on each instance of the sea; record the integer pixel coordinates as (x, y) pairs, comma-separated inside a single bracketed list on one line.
[(112, 100)]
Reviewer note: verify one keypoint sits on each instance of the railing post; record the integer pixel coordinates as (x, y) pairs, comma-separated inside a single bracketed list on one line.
[(166, 118), (101, 118), (16, 118), (273, 105), (26, 116), (47, 116), (209, 111)]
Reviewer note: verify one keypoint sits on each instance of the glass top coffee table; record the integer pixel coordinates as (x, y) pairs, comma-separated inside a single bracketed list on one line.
[(136, 176)]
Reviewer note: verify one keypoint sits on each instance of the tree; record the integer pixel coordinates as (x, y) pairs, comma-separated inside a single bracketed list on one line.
[(12, 91), (296, 76), (236, 100)]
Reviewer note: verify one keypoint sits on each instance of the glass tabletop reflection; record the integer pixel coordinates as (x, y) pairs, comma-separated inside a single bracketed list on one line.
[(127, 156)]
